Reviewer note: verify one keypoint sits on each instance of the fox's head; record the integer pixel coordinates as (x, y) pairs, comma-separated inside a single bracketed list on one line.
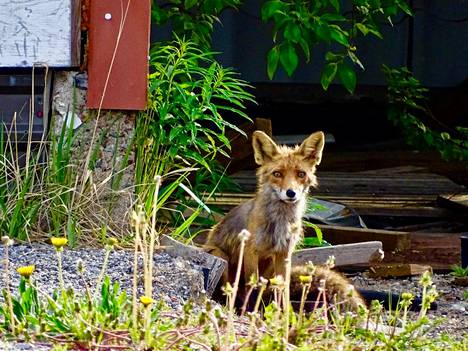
[(287, 171)]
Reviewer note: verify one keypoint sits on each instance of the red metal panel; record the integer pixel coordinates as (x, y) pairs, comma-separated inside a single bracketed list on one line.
[(122, 61)]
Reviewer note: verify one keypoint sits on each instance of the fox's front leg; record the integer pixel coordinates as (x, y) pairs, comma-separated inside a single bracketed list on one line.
[(280, 263), (250, 264)]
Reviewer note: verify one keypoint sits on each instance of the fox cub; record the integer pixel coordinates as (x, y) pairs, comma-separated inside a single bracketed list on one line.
[(274, 215)]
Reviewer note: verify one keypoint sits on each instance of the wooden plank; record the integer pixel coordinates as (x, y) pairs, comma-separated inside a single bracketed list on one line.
[(118, 64), (395, 170), (438, 250), (390, 240), (364, 205), (380, 193), (297, 139), (356, 161), (39, 32), (347, 254), (457, 202), (398, 270), (426, 186), (389, 184), (212, 265), (447, 226)]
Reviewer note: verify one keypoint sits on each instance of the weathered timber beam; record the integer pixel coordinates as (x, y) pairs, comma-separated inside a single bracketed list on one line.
[(347, 254), (391, 240)]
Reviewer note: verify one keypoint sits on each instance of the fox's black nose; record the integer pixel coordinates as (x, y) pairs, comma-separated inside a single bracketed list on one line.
[(290, 193)]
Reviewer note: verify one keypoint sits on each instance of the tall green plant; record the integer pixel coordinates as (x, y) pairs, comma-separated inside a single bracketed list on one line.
[(409, 111), (184, 125)]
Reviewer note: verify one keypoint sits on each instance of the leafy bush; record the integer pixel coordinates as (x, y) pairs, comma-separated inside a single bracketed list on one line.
[(408, 110), (298, 27)]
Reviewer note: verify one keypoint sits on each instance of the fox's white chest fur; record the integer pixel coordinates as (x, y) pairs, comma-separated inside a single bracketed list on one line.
[(282, 222)]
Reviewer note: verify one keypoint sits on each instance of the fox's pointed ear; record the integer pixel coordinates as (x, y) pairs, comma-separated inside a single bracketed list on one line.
[(265, 149), (311, 148)]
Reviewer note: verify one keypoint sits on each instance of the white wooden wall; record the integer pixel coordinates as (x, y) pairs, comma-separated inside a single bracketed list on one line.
[(38, 31)]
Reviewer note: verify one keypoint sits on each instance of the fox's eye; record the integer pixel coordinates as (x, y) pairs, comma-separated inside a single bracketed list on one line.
[(277, 174), (301, 174)]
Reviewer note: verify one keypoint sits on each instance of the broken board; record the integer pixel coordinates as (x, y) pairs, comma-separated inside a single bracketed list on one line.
[(347, 254), (457, 202), (391, 240)]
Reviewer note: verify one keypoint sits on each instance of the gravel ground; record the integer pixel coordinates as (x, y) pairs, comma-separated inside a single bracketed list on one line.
[(175, 279), (452, 307)]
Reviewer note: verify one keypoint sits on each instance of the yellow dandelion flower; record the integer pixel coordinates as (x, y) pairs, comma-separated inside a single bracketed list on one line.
[(26, 271), (305, 279), (59, 242), (146, 301)]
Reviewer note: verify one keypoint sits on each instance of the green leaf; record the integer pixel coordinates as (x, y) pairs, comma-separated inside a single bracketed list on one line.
[(322, 31), (305, 48), (355, 59), (332, 57), (328, 74), (347, 76), (270, 8), (292, 32), (332, 17), (375, 31), (445, 136), (310, 241), (174, 133), (364, 30), (288, 58), (272, 61), (319, 235), (159, 15), (335, 4), (338, 35), (188, 4), (391, 10), (405, 7)]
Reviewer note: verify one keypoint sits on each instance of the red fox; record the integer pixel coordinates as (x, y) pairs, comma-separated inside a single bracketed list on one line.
[(274, 215)]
